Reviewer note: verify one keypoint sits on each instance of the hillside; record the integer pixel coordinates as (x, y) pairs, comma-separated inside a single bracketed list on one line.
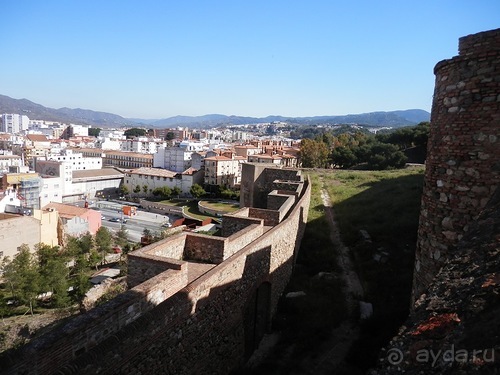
[(103, 119), (66, 115)]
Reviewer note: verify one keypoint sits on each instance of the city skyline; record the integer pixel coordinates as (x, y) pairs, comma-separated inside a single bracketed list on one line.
[(161, 59)]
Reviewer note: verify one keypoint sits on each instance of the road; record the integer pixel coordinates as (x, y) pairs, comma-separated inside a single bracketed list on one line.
[(135, 224)]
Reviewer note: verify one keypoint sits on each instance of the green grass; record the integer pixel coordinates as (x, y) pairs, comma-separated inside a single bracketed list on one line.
[(387, 205), (221, 206), (384, 203)]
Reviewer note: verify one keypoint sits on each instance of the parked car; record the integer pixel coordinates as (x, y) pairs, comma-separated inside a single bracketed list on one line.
[(118, 220)]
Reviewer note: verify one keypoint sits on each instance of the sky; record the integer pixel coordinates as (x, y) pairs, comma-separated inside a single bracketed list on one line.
[(157, 59)]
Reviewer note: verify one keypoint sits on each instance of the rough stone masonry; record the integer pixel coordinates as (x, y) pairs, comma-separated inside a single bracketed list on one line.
[(463, 163)]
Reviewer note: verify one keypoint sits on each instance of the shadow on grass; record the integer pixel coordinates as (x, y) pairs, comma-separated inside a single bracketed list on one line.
[(388, 209)]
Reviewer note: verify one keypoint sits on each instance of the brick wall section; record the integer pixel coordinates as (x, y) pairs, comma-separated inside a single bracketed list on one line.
[(144, 268), (280, 202), (204, 248), (271, 217), (463, 163), (236, 221), (174, 250), (243, 238), (296, 187)]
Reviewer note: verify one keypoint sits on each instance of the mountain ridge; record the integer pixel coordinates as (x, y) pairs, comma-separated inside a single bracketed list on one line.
[(104, 119)]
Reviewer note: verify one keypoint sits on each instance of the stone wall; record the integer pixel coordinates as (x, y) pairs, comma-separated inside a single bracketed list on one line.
[(236, 221), (204, 248), (150, 261), (167, 325), (259, 179), (47, 353), (463, 163), (270, 217)]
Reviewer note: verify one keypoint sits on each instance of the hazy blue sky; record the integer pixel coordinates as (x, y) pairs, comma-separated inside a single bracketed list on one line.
[(156, 59)]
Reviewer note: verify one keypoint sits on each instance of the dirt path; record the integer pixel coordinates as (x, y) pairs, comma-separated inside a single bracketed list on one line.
[(330, 355), (335, 350), (353, 289)]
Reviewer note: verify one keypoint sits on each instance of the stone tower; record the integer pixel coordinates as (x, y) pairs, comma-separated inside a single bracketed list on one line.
[(463, 162)]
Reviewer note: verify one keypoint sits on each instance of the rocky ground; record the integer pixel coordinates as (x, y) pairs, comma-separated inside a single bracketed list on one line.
[(18, 330)]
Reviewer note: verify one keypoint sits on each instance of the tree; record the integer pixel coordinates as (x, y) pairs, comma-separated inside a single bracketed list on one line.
[(162, 192), (137, 189), (124, 189), (22, 274), (176, 191), (103, 242), (86, 243), (54, 278), (314, 154), (197, 191), (94, 132), (169, 136), (121, 237), (145, 189), (343, 157), (135, 132)]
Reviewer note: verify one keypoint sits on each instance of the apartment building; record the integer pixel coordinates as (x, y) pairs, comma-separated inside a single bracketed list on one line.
[(13, 123), (222, 171)]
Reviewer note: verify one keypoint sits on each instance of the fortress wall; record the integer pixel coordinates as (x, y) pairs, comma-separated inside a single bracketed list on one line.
[(276, 200), (150, 261), (270, 217), (291, 186), (463, 163), (204, 248), (245, 236), (236, 221), (280, 201), (206, 327), (174, 250), (257, 180), (47, 353)]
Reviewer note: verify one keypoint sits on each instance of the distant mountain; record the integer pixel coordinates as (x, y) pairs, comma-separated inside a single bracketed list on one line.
[(65, 115), (392, 118), (102, 119)]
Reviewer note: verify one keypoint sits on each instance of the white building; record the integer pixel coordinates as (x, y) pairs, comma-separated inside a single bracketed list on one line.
[(177, 158), (75, 161), (7, 160), (110, 139), (144, 145), (52, 190), (13, 123)]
